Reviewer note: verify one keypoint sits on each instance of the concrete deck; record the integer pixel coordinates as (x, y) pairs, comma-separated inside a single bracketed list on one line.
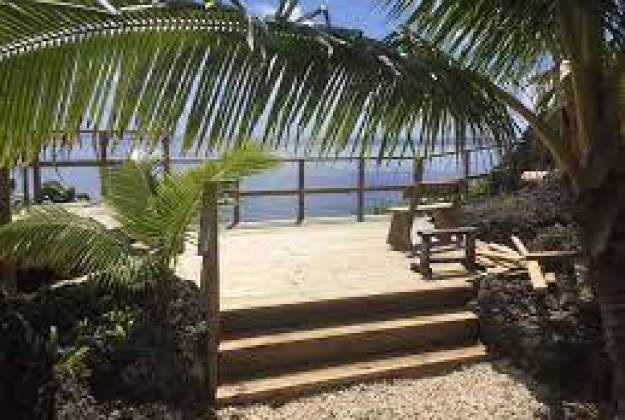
[(273, 265)]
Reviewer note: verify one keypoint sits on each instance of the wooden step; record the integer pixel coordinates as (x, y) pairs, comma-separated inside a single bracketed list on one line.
[(283, 387), (261, 320), (271, 354)]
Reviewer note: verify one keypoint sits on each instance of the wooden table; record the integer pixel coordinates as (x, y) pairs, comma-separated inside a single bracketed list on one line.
[(444, 210)]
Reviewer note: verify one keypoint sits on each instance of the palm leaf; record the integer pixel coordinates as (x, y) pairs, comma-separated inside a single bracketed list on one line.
[(52, 237), (216, 76)]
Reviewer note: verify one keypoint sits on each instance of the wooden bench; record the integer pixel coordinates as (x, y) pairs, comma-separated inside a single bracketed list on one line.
[(443, 207), (465, 238)]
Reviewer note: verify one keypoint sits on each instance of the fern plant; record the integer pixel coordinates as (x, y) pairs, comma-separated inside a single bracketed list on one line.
[(155, 215)]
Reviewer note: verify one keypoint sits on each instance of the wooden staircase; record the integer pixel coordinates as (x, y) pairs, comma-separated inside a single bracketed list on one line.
[(276, 353)]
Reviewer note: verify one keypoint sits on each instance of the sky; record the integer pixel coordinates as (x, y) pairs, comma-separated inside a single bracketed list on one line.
[(352, 14)]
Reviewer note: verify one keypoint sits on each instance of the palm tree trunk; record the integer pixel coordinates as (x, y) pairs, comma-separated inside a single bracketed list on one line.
[(602, 215), (608, 276)]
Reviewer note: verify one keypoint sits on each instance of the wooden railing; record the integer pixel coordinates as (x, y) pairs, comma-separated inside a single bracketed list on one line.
[(301, 192)]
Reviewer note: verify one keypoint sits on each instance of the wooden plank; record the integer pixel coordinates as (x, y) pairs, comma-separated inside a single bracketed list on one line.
[(450, 231), (518, 243), (503, 249), (486, 262), (536, 276), (398, 210), (550, 255), (497, 270), (487, 252), (447, 260)]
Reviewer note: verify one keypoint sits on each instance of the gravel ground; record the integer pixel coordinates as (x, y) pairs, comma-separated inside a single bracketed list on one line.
[(477, 392)]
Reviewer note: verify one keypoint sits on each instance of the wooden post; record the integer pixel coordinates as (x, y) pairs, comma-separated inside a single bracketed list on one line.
[(417, 177), (25, 185), (103, 158), (467, 172), (470, 263), (236, 208), (166, 155), (360, 204), (425, 257), (37, 196), (8, 280), (301, 191), (209, 283), (5, 196)]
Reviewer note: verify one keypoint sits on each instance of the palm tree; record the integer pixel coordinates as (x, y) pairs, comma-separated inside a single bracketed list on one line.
[(155, 215), (572, 55)]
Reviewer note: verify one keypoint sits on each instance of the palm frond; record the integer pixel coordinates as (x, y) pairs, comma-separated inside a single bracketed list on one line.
[(216, 76), (50, 236), (507, 40), (130, 197)]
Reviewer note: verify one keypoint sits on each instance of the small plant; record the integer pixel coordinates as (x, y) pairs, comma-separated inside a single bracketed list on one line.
[(55, 192), (480, 189), (119, 325), (73, 359), (155, 216)]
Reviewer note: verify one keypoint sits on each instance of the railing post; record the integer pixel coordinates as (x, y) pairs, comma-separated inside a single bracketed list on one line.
[(37, 196), (236, 209), (301, 191), (25, 185), (8, 284), (467, 171), (360, 205), (209, 284), (417, 170), (417, 177), (103, 157), (166, 155)]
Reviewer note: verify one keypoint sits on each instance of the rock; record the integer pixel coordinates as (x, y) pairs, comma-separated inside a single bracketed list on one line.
[(557, 339)]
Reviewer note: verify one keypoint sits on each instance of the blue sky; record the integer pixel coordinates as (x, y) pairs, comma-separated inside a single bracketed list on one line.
[(354, 14)]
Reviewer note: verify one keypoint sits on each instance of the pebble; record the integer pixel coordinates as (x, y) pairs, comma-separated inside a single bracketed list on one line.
[(481, 392)]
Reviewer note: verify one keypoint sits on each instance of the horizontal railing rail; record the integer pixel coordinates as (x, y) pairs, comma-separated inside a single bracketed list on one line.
[(302, 190)]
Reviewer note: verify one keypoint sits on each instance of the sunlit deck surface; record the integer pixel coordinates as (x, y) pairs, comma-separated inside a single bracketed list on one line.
[(270, 264), (277, 263)]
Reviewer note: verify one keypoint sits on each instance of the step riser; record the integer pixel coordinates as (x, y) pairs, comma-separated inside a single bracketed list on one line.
[(290, 391), (279, 358), (245, 322)]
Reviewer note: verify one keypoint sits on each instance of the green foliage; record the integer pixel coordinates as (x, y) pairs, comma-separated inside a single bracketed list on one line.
[(154, 217), (55, 192), (480, 188), (119, 325), (75, 362)]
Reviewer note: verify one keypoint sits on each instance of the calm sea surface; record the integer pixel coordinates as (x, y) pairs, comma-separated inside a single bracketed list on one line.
[(331, 174)]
